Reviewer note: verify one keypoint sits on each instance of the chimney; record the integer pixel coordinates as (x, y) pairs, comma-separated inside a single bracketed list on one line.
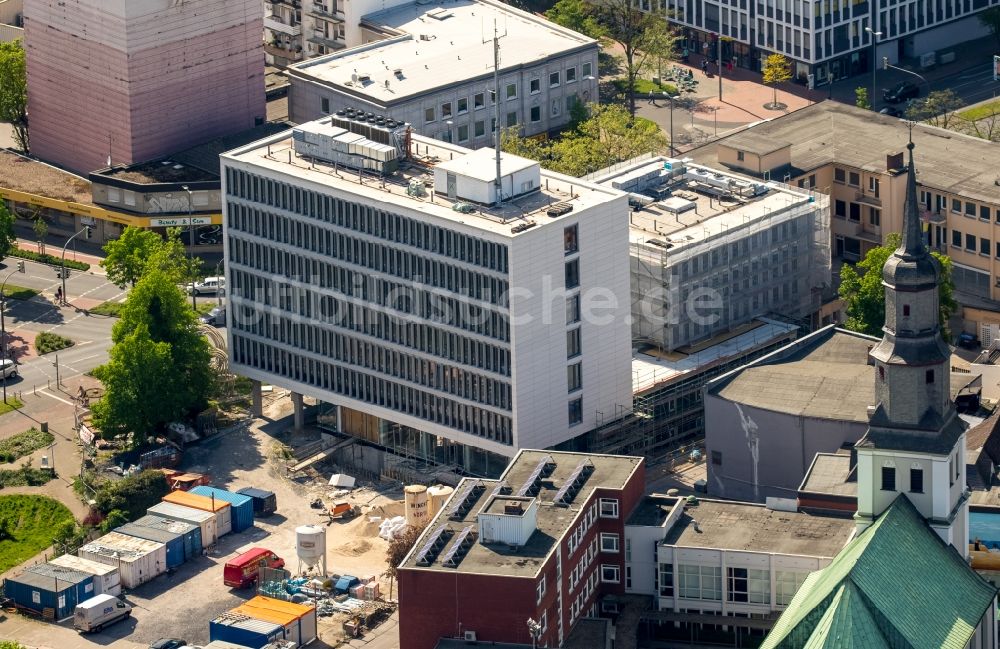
[(894, 161)]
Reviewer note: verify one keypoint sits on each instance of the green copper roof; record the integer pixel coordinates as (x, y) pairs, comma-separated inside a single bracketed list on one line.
[(896, 585)]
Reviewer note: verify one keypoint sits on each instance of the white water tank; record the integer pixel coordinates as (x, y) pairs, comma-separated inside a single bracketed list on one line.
[(437, 496), (310, 547), (415, 500)]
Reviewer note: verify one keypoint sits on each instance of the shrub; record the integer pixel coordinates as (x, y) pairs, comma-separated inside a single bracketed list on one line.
[(23, 444), (132, 495), (47, 342), (110, 308), (47, 259)]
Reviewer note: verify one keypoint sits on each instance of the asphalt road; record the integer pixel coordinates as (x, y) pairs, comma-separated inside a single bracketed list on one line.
[(973, 84)]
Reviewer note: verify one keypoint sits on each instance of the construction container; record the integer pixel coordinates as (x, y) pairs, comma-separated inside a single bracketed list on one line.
[(221, 508), (298, 620), (51, 591), (222, 644), (172, 541), (190, 532), (206, 521), (240, 505), (106, 578), (244, 630), (265, 503), (138, 560)]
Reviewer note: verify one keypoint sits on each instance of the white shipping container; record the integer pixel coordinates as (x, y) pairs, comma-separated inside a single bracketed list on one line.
[(207, 521), (107, 581), (138, 560)]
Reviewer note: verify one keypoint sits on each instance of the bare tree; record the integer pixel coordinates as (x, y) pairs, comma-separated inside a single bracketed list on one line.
[(399, 547), (938, 109)]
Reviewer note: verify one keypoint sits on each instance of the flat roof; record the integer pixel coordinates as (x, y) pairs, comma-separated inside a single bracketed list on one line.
[(437, 45), (276, 155), (757, 143), (652, 511), (33, 177), (831, 132), (725, 525), (481, 164), (652, 368), (829, 474), (552, 521)]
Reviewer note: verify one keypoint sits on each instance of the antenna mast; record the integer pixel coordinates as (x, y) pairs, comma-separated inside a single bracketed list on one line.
[(496, 108)]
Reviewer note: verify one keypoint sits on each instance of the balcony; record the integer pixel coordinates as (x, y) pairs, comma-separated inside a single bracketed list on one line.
[(293, 54), (932, 216), (294, 4), (321, 12), (319, 38), (862, 197), (276, 25)]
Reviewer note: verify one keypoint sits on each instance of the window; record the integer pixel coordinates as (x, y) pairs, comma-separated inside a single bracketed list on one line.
[(540, 590), (609, 507), (445, 136), (512, 119), (610, 574), (717, 458), (840, 209), (575, 412), (984, 213), (573, 309), (535, 86), (956, 206), (609, 542), (553, 79), (511, 92), (555, 108), (570, 75), (574, 377), (855, 212), (875, 216), (585, 69), (628, 549), (740, 156), (666, 580), (573, 343), (571, 102), (446, 110), (873, 185), (786, 584), (429, 114), (970, 209), (463, 105), (916, 481), (115, 196), (478, 100), (463, 133), (479, 128), (747, 585), (984, 246), (128, 197), (888, 478), (700, 582), (906, 310), (572, 273), (839, 176), (970, 242), (951, 471), (881, 373), (324, 105), (929, 377), (956, 238), (536, 114), (571, 241), (853, 179)]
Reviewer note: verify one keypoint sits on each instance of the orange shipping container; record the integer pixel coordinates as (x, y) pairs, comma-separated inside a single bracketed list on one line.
[(217, 506), (298, 620)]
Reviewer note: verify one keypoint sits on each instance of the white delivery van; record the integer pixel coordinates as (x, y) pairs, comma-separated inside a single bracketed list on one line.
[(98, 612)]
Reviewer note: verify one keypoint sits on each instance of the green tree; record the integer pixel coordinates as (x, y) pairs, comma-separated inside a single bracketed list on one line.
[(130, 497), (776, 70), (14, 91), (938, 109), (577, 15), (41, 229), (861, 98), (864, 296), (626, 25), (990, 19), (129, 256), (8, 240), (158, 369), (659, 43), (115, 519), (11, 644)]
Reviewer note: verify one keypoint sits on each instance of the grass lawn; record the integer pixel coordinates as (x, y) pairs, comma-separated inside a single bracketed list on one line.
[(12, 404), (19, 292), (27, 524), (24, 443), (205, 305), (47, 342), (108, 308), (980, 112)]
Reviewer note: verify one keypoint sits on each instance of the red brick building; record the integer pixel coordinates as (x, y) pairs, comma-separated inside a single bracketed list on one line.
[(546, 541)]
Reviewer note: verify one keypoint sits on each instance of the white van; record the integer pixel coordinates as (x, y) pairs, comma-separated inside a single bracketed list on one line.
[(98, 612), (210, 286)]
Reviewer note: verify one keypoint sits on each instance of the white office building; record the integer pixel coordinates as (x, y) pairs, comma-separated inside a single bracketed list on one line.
[(431, 65), (372, 269)]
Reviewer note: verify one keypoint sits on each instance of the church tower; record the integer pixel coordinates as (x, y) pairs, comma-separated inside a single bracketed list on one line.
[(915, 443)]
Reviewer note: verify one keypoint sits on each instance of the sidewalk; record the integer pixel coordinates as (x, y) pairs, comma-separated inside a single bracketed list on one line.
[(92, 259)]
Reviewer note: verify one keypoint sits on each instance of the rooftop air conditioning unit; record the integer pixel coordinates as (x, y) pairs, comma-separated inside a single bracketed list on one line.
[(470, 636)]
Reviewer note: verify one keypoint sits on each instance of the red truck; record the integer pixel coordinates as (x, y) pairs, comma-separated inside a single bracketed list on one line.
[(245, 569)]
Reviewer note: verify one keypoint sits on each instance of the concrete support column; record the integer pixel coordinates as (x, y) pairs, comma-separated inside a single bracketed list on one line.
[(258, 399), (299, 414)]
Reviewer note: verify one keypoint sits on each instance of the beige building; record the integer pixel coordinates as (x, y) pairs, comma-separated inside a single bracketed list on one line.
[(856, 157)]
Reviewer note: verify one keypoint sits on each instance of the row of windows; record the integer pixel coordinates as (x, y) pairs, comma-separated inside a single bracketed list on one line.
[(576, 537), (356, 250), (743, 585), (579, 571), (916, 479), (366, 219), (320, 330), (351, 351), (852, 212), (579, 606), (434, 305), (970, 241), (373, 390)]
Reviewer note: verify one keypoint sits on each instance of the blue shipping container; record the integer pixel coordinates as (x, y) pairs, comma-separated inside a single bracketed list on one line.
[(264, 502), (240, 505), (242, 630), (191, 532), (50, 586), (173, 541)]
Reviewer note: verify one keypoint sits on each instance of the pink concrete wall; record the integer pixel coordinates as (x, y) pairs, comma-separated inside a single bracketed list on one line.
[(172, 83)]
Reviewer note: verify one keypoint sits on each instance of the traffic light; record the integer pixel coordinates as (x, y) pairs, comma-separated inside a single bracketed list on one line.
[(20, 266), (89, 231)]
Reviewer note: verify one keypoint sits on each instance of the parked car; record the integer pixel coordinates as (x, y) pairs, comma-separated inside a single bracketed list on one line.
[(967, 340), (216, 317), (98, 612), (168, 643), (210, 286), (901, 92), (8, 368)]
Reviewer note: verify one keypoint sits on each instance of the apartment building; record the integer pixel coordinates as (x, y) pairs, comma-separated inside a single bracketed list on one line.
[(146, 78), (545, 542), (376, 271), (825, 40), (856, 157), (11, 20), (432, 66)]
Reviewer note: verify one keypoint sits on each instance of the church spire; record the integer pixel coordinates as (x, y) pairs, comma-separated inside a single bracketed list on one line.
[(912, 244)]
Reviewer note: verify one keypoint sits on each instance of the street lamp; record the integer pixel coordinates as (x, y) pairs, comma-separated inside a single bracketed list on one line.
[(886, 65), (3, 324), (194, 306), (671, 99), (875, 36)]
